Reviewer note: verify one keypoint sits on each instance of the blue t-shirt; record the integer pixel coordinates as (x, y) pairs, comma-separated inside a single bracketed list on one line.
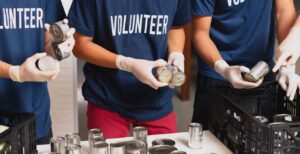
[(21, 36), (133, 28), (243, 31)]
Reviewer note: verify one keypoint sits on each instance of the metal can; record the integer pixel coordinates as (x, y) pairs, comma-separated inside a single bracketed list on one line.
[(178, 152), (117, 148), (46, 63), (73, 138), (257, 72), (164, 74), (135, 147), (163, 141), (285, 118), (140, 134), (58, 145), (100, 148), (178, 77), (195, 135), (262, 119), (161, 149), (59, 32), (73, 149)]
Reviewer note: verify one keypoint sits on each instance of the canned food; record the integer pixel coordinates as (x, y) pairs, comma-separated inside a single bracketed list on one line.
[(135, 147), (178, 152), (178, 78), (100, 148), (59, 32), (262, 119), (164, 73), (161, 149), (257, 72), (195, 135), (163, 141), (58, 145), (73, 138), (117, 148), (73, 149), (285, 118)]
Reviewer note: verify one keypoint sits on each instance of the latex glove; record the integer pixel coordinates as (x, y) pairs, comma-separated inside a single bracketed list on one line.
[(141, 69), (289, 81), (177, 59), (66, 46), (29, 72), (233, 75), (289, 50)]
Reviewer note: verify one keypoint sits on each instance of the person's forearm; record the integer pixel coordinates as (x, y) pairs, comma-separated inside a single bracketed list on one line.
[(93, 53), (4, 69), (285, 19), (176, 39), (206, 48)]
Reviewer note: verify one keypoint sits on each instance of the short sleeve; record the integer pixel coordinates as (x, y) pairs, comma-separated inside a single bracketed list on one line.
[(203, 7), (54, 11), (82, 17), (183, 13)]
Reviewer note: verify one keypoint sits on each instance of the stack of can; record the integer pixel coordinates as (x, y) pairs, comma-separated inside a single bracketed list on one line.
[(97, 142), (70, 144)]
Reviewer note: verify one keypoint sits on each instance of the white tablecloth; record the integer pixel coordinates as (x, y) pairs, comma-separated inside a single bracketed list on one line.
[(211, 145)]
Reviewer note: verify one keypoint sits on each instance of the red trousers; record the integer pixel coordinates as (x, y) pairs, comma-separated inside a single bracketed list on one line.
[(115, 126)]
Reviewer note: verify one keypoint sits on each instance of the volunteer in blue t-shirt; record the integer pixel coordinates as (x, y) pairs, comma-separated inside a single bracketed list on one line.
[(232, 36), (22, 38), (122, 41)]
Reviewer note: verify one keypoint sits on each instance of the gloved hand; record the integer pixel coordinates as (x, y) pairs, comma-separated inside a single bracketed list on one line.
[(233, 75), (29, 72), (177, 59), (289, 81), (141, 69), (289, 50), (66, 46)]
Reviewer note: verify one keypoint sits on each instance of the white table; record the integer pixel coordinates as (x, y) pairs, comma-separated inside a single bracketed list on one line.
[(210, 145)]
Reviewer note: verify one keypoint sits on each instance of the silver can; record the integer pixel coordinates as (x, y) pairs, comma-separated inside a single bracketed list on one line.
[(100, 148), (164, 74), (59, 32), (135, 147), (178, 152), (140, 134), (262, 119), (117, 148), (58, 145), (195, 135), (46, 63), (73, 149), (161, 149), (94, 133), (178, 77), (73, 138), (257, 72)]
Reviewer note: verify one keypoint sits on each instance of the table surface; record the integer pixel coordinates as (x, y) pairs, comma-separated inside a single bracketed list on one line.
[(210, 144)]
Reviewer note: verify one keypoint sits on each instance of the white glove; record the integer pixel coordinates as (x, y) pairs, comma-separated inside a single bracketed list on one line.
[(29, 72), (66, 46), (289, 50), (234, 76), (141, 69), (289, 81), (177, 59)]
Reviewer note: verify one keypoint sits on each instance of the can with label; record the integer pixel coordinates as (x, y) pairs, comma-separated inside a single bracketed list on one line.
[(257, 72), (58, 145), (195, 135)]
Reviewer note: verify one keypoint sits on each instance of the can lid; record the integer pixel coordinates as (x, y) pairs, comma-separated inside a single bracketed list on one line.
[(163, 141), (161, 149), (178, 78), (178, 152)]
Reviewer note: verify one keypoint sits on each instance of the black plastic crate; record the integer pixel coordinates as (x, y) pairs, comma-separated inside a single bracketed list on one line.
[(20, 137), (232, 120)]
